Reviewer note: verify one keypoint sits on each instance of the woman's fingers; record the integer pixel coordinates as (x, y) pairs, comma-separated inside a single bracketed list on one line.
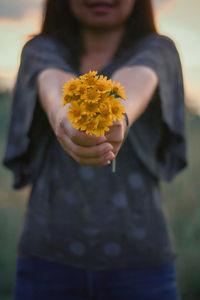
[(84, 159), (95, 161), (79, 137), (89, 150), (116, 147), (83, 139), (115, 135), (94, 156), (83, 151)]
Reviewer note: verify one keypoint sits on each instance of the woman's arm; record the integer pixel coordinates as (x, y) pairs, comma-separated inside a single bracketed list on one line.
[(140, 83), (85, 149), (50, 83)]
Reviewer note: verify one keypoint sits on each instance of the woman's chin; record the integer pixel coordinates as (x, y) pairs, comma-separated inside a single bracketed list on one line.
[(102, 23)]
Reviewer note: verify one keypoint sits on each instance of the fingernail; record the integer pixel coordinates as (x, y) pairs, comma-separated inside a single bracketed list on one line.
[(109, 156), (102, 138), (108, 149)]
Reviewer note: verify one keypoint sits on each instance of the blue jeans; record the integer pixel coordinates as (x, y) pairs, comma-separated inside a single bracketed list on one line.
[(41, 279)]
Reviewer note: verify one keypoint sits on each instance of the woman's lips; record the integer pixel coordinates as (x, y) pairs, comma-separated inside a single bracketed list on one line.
[(100, 2), (101, 7)]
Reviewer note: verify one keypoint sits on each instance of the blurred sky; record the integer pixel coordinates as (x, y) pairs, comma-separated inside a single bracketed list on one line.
[(179, 19)]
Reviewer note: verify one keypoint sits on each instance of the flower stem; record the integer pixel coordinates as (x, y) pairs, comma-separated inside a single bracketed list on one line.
[(113, 165)]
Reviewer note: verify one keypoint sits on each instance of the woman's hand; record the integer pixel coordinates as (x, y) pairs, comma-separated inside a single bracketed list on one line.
[(115, 135), (83, 148)]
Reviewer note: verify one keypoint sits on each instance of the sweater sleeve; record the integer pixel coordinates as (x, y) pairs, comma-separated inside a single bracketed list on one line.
[(158, 135), (29, 130)]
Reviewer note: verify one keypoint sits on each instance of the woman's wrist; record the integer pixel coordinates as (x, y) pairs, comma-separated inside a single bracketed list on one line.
[(56, 114), (127, 126), (50, 83), (126, 119)]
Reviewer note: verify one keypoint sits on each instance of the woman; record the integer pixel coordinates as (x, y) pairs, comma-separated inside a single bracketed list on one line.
[(90, 233)]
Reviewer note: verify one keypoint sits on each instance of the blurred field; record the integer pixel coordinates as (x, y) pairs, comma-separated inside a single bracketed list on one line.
[(180, 203)]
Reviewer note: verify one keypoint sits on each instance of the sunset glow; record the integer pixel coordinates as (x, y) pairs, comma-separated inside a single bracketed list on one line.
[(178, 19)]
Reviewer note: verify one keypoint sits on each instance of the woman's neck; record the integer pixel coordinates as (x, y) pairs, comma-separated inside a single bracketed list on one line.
[(97, 42), (99, 47)]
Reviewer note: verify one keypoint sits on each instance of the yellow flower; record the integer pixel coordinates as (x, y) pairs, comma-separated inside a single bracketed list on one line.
[(66, 99), (70, 99), (119, 90), (91, 108), (75, 112), (70, 87), (104, 97), (81, 123), (91, 126), (105, 109), (102, 125), (94, 105), (91, 95), (117, 109), (103, 85), (75, 98), (81, 90), (90, 78), (89, 74)]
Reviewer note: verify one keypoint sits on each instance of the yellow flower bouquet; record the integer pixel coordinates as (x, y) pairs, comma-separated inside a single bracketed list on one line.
[(94, 104)]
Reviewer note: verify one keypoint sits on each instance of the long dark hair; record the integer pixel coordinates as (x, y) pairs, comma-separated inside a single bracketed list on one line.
[(59, 22)]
